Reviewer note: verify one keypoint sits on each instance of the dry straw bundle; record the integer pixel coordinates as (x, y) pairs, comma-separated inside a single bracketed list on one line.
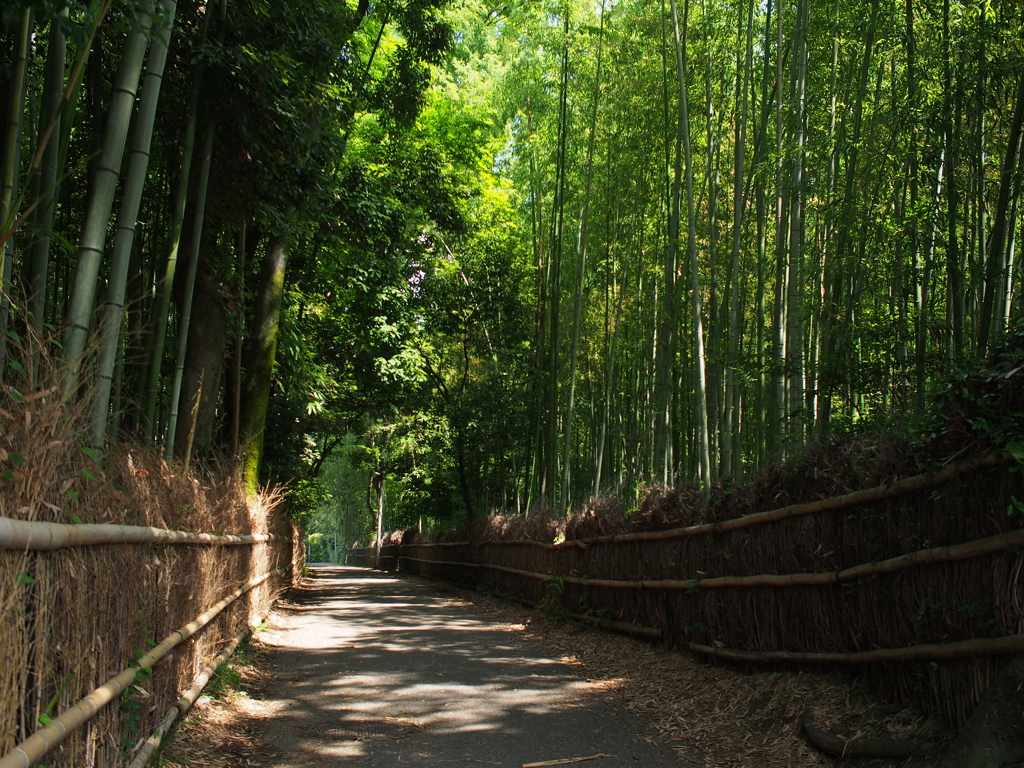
[(70, 619)]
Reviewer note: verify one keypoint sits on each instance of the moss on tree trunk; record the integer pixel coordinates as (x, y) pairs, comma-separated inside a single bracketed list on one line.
[(260, 361)]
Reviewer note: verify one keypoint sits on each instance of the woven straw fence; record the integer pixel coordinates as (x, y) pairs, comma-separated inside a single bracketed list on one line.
[(972, 597), (70, 619)]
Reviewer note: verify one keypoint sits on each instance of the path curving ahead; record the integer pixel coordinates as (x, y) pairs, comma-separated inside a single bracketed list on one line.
[(376, 670)]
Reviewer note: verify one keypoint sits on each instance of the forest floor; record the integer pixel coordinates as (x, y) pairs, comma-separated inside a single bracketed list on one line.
[(362, 668)]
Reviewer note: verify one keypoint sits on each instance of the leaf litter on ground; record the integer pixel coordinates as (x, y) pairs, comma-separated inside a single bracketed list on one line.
[(710, 714)]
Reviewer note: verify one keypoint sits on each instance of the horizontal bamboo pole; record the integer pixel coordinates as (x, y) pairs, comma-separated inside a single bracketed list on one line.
[(984, 646), (182, 706), (155, 738), (488, 566), (906, 485), (30, 751), (924, 652), (36, 535), (444, 544), (971, 549), (625, 627), (617, 626)]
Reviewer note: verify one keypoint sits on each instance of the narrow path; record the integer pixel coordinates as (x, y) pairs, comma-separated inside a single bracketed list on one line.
[(378, 670)]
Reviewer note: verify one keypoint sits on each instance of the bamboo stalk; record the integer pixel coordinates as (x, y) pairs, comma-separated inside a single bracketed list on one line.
[(906, 485), (32, 749), (155, 738), (617, 626), (36, 535), (971, 549), (186, 701), (984, 646), (565, 761)]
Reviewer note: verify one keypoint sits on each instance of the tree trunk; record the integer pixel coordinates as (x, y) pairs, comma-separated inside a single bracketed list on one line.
[(263, 349), (204, 362), (993, 736)]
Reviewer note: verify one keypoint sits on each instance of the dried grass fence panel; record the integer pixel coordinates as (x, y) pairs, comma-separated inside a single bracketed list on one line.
[(54, 731), (188, 698), (359, 556), (903, 580), (92, 611), (71, 618)]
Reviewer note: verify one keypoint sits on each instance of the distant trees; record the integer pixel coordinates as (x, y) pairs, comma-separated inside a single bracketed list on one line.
[(832, 229), (551, 249), (236, 121)]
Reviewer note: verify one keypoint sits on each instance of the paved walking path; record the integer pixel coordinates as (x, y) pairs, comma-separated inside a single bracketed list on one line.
[(376, 670)]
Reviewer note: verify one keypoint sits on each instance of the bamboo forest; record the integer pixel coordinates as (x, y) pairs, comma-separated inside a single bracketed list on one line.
[(441, 258), (561, 365)]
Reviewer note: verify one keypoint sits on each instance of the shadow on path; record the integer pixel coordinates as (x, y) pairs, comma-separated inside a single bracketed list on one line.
[(378, 670)]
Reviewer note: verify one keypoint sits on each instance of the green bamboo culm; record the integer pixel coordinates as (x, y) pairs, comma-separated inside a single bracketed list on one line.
[(48, 172), (9, 175), (162, 306), (101, 196), (185, 315), (135, 180), (565, 499), (12, 138)]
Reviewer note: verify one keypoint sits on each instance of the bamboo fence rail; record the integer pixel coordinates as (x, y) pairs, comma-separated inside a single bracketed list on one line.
[(182, 706), (916, 582), (925, 651), (982, 646), (38, 536), (32, 749), (970, 549), (863, 496)]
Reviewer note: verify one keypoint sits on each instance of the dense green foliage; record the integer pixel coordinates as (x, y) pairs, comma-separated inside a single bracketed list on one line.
[(539, 250)]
